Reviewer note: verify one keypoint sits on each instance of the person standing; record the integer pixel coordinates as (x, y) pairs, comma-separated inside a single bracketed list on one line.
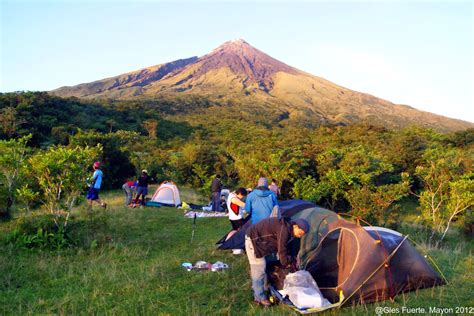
[(261, 201), (142, 187), (269, 236), (274, 188), (94, 188), (216, 187), (235, 205)]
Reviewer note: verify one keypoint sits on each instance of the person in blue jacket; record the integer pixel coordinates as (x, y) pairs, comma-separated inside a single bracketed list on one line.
[(94, 188), (261, 201)]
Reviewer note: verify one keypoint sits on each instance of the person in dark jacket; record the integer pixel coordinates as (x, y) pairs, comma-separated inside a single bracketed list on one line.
[(216, 187), (269, 236), (142, 187)]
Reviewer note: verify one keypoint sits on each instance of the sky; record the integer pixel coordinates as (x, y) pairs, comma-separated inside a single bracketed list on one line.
[(415, 53)]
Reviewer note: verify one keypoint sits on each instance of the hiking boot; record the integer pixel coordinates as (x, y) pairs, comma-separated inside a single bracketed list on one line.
[(264, 303)]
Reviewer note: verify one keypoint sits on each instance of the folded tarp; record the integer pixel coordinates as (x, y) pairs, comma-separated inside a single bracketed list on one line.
[(153, 204)]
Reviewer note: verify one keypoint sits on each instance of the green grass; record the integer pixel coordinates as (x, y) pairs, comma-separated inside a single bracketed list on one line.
[(136, 269)]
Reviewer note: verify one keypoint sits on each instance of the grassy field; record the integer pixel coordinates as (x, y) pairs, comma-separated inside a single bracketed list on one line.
[(129, 262)]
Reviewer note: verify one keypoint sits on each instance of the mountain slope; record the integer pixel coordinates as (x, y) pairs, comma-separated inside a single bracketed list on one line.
[(130, 83), (238, 72)]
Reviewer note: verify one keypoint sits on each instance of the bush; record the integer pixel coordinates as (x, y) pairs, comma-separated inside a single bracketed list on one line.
[(43, 240), (61, 173), (40, 232)]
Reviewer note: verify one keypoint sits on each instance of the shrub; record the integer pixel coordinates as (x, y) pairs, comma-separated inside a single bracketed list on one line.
[(448, 188), (61, 173), (12, 155), (40, 232)]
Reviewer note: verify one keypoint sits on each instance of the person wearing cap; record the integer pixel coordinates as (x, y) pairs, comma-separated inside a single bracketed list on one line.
[(269, 236), (261, 201), (142, 187), (94, 188)]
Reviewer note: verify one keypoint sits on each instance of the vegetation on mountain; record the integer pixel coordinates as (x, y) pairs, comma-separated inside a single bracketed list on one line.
[(360, 168)]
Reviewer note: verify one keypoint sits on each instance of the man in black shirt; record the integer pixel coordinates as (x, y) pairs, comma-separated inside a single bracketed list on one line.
[(142, 187), (270, 235)]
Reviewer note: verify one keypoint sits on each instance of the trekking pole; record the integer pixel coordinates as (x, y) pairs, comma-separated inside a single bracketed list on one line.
[(194, 228)]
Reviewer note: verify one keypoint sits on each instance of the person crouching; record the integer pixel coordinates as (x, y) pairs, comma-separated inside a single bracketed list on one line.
[(128, 188), (270, 235)]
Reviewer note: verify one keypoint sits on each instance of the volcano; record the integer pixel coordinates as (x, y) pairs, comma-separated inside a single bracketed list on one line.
[(241, 73)]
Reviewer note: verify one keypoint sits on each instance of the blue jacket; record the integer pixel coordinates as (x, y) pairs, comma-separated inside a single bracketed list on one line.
[(259, 203), (97, 179)]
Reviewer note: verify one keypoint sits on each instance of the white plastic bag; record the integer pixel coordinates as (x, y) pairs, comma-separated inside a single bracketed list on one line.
[(303, 291), (219, 266)]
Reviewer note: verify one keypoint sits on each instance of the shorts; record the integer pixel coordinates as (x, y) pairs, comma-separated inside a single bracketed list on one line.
[(142, 191), (93, 194), (237, 223)]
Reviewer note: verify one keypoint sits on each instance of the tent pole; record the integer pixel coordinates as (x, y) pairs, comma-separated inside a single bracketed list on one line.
[(194, 227)]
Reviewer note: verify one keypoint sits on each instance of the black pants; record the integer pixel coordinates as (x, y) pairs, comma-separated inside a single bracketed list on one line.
[(216, 201)]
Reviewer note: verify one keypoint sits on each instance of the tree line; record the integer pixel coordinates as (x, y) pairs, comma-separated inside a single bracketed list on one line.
[(360, 168)]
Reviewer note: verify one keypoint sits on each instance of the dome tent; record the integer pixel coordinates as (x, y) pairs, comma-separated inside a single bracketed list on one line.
[(167, 194), (365, 264)]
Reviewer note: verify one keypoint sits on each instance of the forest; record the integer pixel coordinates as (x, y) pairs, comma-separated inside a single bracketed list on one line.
[(361, 169)]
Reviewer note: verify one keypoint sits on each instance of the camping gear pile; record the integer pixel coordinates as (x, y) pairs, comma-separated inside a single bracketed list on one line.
[(204, 266), (359, 264)]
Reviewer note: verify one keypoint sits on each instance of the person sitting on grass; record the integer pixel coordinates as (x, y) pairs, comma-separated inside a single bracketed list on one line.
[(94, 188), (269, 236), (235, 205)]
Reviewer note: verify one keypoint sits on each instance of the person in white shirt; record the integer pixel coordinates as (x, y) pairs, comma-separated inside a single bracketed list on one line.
[(235, 205)]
